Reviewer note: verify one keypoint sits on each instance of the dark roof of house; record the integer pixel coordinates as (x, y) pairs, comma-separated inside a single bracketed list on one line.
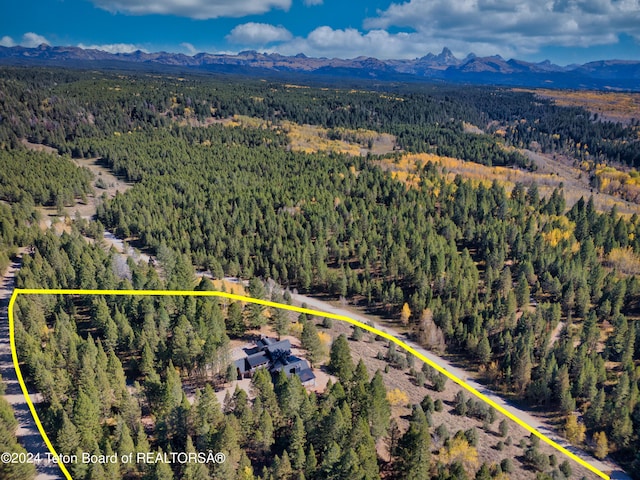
[(290, 363), (241, 364), (278, 355), (306, 375), (265, 342), (283, 346), (257, 359), (252, 350)]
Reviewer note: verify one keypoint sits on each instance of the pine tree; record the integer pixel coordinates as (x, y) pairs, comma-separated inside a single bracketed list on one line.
[(340, 363), (193, 470), (522, 291), (162, 470), (112, 470), (331, 460), (311, 343), (414, 448), (262, 385), (282, 467), (281, 321), (172, 390), (125, 447), (363, 444), (311, 462), (206, 411), (483, 350), (96, 472), (379, 410), (265, 431), (235, 320), (67, 439), (143, 447), (297, 440), (349, 465), (86, 417)]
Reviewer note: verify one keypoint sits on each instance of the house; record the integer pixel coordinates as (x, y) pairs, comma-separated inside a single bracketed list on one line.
[(275, 355)]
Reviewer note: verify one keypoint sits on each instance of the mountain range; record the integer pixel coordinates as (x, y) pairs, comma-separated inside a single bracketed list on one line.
[(442, 67)]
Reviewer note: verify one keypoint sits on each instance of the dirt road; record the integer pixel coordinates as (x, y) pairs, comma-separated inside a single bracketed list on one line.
[(27, 432), (606, 466)]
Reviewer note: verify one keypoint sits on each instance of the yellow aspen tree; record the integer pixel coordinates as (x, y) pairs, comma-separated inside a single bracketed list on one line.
[(602, 445), (405, 314)]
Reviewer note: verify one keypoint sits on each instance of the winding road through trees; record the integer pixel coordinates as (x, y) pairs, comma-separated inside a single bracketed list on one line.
[(27, 432)]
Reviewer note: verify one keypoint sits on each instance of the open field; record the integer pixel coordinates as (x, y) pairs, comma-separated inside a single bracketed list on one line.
[(612, 106), (313, 138)]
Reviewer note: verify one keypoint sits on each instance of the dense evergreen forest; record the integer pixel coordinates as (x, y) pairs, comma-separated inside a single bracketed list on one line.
[(53, 106), (470, 268), (83, 353)]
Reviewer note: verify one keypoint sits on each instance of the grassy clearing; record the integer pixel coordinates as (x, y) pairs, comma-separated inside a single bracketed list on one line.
[(552, 173), (313, 138), (613, 106)]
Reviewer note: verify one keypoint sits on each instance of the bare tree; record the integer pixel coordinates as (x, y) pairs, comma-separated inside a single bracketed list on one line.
[(428, 333)]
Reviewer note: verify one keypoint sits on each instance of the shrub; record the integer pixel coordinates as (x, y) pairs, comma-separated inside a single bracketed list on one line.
[(506, 465), (397, 397)]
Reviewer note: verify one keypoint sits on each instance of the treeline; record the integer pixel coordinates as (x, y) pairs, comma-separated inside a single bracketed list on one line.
[(18, 226), (450, 140), (41, 178)]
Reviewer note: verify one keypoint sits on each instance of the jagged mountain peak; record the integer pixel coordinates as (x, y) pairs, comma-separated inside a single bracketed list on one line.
[(445, 66)]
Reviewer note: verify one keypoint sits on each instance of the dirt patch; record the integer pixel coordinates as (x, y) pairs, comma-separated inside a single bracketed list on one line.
[(36, 147), (576, 183), (104, 182), (368, 349)]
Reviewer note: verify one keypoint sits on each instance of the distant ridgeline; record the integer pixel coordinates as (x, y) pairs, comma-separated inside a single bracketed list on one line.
[(610, 75)]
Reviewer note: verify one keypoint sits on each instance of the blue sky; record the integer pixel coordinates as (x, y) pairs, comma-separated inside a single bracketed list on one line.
[(564, 31)]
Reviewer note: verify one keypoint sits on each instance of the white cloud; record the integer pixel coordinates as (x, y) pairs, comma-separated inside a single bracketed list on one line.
[(515, 27), (198, 9), (7, 41), (310, 3), (348, 43), (189, 48), (258, 34), (32, 40), (113, 47)]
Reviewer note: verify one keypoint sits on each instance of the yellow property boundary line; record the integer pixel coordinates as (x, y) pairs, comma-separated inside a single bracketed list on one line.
[(267, 303)]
